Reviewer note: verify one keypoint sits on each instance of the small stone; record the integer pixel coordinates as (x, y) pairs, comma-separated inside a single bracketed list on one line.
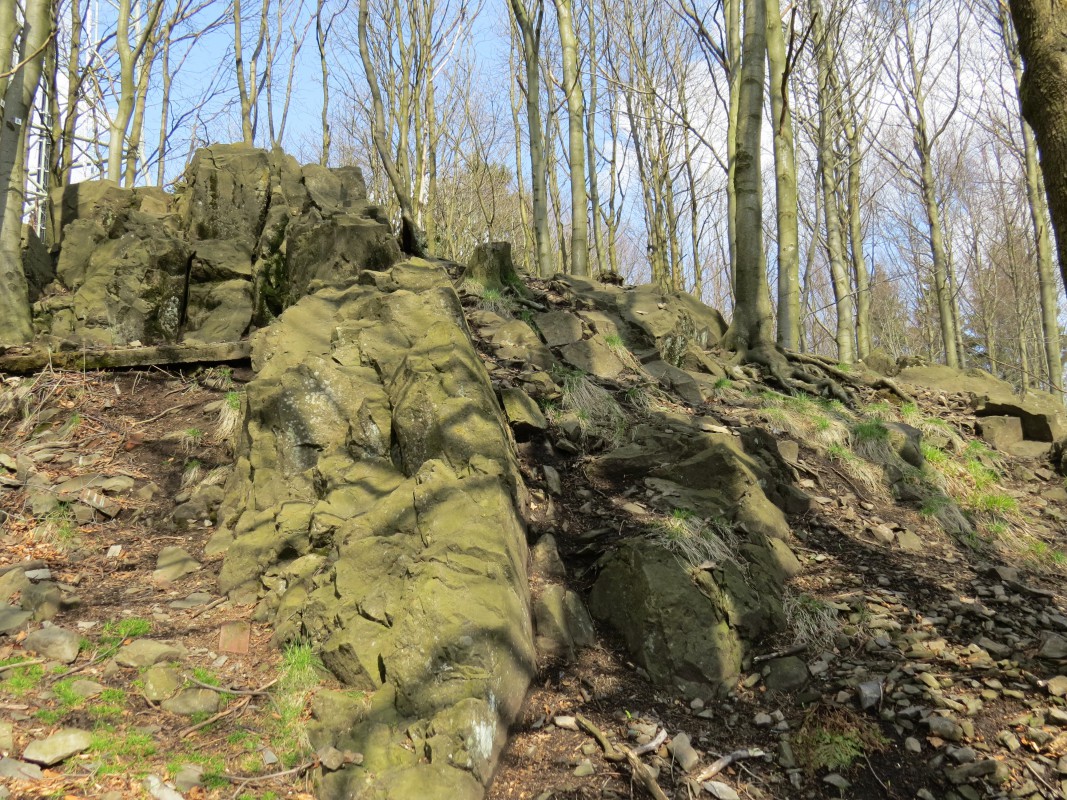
[(786, 674), (193, 701), (12, 618), (86, 689), (114, 551), (837, 781), (1054, 647), (173, 563), (1009, 740), (55, 643), (160, 789), (912, 745), (944, 728), (869, 694), (682, 751), (61, 745), (1057, 686), (566, 723), (160, 683), (977, 769), (545, 560), (7, 737), (762, 720), (720, 791), (963, 755), (1057, 716), (331, 758), (270, 758), (146, 652), (584, 769), (234, 637), (188, 777), (552, 478), (19, 770)]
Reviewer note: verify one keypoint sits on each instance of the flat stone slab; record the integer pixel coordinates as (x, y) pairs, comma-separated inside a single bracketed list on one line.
[(173, 563), (60, 746), (146, 652), (193, 701), (56, 643), (12, 618), (19, 770), (161, 683)]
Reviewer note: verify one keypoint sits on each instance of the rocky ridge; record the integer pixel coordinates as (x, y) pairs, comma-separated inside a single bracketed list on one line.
[(858, 602)]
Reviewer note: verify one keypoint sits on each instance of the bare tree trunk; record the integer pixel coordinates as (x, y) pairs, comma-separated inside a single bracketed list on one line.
[(410, 236), (752, 326), (529, 25), (785, 184), (322, 31), (15, 322), (590, 141), (1042, 29), (572, 90)]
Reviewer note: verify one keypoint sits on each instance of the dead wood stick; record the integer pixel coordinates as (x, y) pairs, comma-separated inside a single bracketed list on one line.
[(17, 664), (230, 690), (648, 747), (610, 753), (643, 774), (789, 651), (216, 602), (185, 733), (725, 761), (259, 778)]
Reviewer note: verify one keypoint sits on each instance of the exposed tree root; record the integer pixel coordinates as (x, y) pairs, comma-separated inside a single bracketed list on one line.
[(802, 373)]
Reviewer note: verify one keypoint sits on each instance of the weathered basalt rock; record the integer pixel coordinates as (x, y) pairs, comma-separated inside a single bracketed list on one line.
[(376, 506), (244, 237)]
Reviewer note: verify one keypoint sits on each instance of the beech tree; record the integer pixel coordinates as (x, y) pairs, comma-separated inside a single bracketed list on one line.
[(22, 43)]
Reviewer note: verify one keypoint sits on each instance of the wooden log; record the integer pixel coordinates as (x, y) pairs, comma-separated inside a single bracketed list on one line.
[(22, 361)]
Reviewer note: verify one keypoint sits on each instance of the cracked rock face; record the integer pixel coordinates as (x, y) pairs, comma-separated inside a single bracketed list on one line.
[(375, 508), (243, 238)]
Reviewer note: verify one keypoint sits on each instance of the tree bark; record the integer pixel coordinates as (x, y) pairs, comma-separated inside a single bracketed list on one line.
[(572, 90), (1042, 29), (410, 237), (529, 26), (785, 183), (752, 326), (15, 322)]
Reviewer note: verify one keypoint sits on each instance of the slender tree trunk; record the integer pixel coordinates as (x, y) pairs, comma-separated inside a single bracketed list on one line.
[(15, 322), (590, 142), (855, 236), (164, 113), (321, 32), (576, 141), (530, 30), (410, 237), (939, 255), (785, 184)]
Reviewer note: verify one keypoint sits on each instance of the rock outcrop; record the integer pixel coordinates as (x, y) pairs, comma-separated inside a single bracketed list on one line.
[(375, 508), (243, 237)]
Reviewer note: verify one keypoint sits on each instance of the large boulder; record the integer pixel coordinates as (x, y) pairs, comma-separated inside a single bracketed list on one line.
[(645, 317), (375, 509), (688, 625)]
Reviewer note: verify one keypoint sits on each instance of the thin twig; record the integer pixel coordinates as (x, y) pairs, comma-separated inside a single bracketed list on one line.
[(789, 651), (648, 747), (185, 733), (17, 664), (217, 601), (284, 773), (230, 690)]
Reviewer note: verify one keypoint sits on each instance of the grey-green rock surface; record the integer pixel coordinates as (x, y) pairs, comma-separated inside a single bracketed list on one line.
[(375, 507)]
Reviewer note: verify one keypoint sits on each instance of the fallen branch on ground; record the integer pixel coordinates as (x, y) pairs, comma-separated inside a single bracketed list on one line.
[(725, 761), (610, 753)]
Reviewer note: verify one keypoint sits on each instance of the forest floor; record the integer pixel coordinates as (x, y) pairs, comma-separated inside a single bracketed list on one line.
[(213, 710)]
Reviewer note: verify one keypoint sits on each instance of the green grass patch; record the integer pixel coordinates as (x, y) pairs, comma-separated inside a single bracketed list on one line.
[(20, 681), (999, 504), (833, 739), (870, 431)]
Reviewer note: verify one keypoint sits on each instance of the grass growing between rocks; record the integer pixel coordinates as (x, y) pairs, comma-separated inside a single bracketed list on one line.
[(117, 752), (833, 738), (697, 542), (598, 413), (813, 623), (20, 681)]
